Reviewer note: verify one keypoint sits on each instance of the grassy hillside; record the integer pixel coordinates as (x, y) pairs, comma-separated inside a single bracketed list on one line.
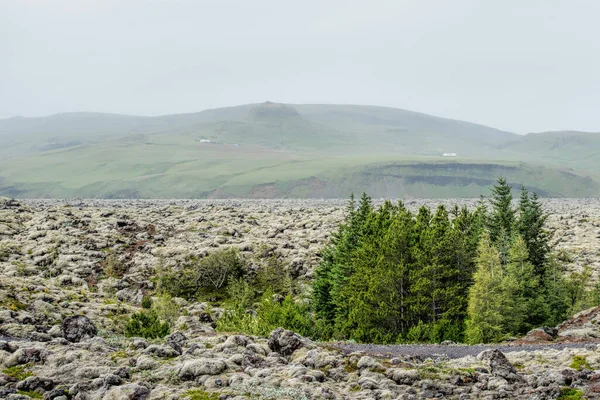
[(275, 150)]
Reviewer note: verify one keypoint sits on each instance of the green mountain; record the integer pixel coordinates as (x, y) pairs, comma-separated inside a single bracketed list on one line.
[(277, 150)]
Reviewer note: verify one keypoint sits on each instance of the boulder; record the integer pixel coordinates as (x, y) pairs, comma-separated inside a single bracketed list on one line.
[(499, 365), (403, 376), (284, 342), (36, 384), (203, 366), (132, 391), (77, 328), (537, 335)]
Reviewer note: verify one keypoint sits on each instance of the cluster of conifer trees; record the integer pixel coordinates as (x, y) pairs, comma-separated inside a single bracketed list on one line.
[(393, 276)]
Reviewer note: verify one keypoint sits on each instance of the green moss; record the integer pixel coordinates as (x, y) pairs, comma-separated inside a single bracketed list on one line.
[(567, 393), (379, 370), (579, 363), (197, 394), (15, 305), (19, 372), (355, 388), (118, 354), (32, 394), (519, 366), (351, 367)]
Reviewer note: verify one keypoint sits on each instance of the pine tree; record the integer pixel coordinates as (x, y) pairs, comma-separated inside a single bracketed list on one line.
[(531, 226), (555, 292), (487, 308), (521, 287), (333, 273), (501, 219)]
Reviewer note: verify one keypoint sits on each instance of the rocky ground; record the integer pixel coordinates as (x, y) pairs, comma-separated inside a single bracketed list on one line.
[(52, 258)]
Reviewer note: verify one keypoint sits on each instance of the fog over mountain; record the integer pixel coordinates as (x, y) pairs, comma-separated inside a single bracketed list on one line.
[(519, 67)]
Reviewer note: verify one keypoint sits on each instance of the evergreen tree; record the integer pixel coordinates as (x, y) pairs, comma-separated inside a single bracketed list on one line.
[(531, 226), (501, 219), (555, 292), (487, 307), (521, 287)]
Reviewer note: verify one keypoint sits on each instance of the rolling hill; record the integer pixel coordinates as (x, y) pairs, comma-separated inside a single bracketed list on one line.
[(283, 150)]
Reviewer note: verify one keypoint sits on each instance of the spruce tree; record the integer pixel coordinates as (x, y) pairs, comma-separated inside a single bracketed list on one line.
[(555, 292), (501, 220), (531, 226), (521, 287)]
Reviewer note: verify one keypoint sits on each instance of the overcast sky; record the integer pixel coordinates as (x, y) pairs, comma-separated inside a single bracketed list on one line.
[(518, 65)]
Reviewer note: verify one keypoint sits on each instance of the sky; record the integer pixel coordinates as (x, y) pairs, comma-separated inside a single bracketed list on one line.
[(520, 66)]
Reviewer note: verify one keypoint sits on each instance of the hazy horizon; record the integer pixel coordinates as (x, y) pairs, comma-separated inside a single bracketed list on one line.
[(512, 66)]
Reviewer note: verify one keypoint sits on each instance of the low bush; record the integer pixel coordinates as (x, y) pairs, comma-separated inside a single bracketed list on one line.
[(567, 393), (166, 309), (203, 278), (147, 302), (146, 324), (113, 266), (270, 313)]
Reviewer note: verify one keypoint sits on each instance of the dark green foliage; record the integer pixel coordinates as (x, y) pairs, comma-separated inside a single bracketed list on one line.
[(501, 219), (555, 292), (531, 227), (567, 393), (203, 278), (146, 324), (147, 302), (390, 275), (393, 276)]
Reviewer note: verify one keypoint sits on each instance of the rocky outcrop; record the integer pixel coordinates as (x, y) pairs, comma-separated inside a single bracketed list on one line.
[(284, 342), (78, 328)]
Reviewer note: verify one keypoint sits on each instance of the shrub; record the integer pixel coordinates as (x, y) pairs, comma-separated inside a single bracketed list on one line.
[(147, 302), (113, 267), (567, 393), (270, 314), (272, 275), (166, 309), (564, 256), (204, 277), (4, 252), (146, 324)]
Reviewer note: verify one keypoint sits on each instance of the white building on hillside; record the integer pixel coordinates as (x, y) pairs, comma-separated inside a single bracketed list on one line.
[(449, 155)]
